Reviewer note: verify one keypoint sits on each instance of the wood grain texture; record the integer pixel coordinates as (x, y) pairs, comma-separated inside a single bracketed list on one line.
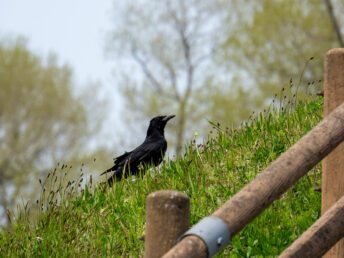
[(167, 218), (333, 164)]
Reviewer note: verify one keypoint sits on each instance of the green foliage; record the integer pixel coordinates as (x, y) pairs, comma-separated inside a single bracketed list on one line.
[(218, 59), (41, 120), (109, 222), (272, 41)]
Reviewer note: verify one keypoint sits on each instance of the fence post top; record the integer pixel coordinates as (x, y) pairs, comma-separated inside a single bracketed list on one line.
[(335, 51), (168, 194)]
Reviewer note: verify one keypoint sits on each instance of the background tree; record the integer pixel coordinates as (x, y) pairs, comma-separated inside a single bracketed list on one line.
[(171, 42), (273, 40), (41, 120), (219, 60)]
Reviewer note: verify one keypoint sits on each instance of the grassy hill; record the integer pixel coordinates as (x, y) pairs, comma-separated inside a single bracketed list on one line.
[(89, 222)]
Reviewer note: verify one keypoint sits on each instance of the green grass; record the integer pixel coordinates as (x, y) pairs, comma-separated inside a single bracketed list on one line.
[(109, 223)]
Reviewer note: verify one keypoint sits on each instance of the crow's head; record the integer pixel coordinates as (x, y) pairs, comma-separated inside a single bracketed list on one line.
[(158, 124)]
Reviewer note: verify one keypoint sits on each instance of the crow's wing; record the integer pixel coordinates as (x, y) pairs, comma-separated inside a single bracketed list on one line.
[(151, 151), (118, 161), (122, 159)]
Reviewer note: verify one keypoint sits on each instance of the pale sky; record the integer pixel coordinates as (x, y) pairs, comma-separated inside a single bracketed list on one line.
[(73, 29)]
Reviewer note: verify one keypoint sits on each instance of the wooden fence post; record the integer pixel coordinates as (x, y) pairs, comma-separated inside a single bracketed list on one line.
[(167, 218), (333, 164)]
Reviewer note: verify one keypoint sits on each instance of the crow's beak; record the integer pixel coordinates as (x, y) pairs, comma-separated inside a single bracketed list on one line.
[(166, 118)]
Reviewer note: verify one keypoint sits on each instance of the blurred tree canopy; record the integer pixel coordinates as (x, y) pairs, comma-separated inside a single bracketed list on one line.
[(171, 44), (219, 60), (272, 40), (41, 121)]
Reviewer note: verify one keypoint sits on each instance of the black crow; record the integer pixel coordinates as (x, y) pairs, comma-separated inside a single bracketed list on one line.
[(151, 151)]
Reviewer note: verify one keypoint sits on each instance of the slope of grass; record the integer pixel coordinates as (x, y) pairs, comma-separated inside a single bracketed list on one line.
[(109, 223)]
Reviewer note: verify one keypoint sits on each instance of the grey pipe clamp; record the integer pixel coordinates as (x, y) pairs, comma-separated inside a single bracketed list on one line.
[(213, 231)]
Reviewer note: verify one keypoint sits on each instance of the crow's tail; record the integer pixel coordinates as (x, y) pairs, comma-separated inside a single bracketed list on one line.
[(109, 170), (117, 176)]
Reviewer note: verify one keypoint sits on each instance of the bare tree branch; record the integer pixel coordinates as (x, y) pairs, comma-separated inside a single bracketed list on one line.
[(189, 65), (146, 71), (170, 50), (189, 83), (201, 59), (173, 78), (154, 81), (334, 22)]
